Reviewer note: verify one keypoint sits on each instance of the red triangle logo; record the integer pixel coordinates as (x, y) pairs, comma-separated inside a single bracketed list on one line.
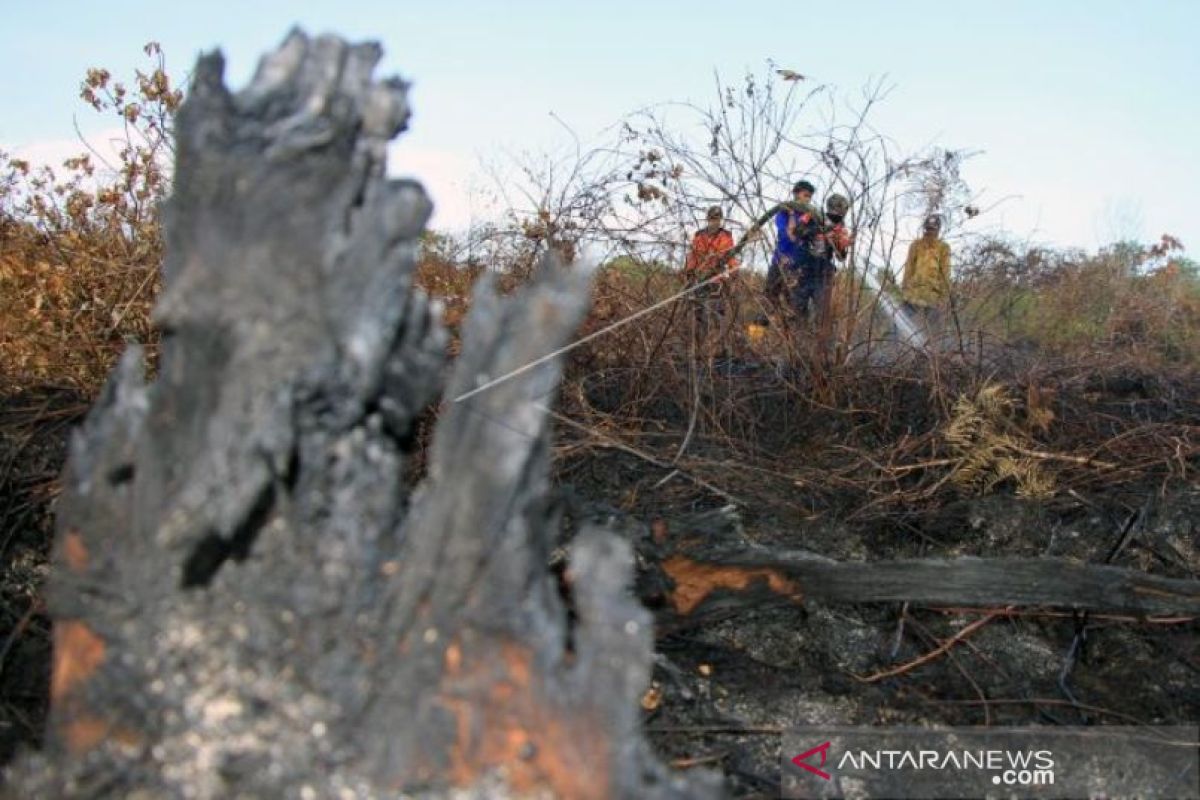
[(801, 760)]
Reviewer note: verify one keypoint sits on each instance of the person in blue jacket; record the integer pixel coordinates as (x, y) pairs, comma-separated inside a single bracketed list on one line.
[(788, 257)]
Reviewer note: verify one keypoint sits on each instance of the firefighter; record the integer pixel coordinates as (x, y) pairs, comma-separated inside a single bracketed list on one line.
[(925, 286), (704, 260), (786, 259), (823, 243)]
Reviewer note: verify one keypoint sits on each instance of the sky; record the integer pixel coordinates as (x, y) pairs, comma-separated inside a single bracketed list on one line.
[(1086, 114)]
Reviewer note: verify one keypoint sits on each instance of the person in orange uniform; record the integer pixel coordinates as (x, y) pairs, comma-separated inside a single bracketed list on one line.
[(704, 261)]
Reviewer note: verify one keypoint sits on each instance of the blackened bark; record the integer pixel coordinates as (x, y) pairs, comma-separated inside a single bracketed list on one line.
[(686, 576), (247, 602)]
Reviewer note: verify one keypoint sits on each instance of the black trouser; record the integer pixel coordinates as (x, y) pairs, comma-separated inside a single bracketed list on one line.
[(811, 280), (711, 309), (814, 285)]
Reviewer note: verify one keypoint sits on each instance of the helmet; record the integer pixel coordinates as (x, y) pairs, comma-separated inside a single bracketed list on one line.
[(837, 204)]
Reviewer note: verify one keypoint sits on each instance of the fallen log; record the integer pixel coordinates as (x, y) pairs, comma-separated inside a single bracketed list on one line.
[(248, 600), (961, 581), (689, 576)]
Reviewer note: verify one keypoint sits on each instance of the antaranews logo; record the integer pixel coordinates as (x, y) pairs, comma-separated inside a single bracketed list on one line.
[(1019, 767), (875, 761)]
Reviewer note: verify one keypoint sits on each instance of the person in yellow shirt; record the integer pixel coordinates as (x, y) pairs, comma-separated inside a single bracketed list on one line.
[(925, 286)]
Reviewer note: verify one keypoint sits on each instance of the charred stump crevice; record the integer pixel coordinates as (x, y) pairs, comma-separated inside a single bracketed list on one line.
[(247, 600)]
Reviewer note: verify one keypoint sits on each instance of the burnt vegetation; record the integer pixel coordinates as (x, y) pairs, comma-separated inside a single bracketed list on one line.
[(296, 550)]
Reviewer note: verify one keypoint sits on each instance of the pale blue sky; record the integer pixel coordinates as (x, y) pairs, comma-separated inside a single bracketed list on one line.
[(1089, 111)]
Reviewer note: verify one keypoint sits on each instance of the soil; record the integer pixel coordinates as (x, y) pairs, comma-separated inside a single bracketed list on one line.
[(724, 690)]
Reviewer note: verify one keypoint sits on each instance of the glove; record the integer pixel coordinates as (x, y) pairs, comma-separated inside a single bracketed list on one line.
[(841, 238)]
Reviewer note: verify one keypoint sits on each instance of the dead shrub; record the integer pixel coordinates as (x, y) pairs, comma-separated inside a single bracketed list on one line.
[(80, 245)]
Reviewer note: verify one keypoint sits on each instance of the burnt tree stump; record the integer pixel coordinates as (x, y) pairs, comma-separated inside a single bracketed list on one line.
[(247, 600)]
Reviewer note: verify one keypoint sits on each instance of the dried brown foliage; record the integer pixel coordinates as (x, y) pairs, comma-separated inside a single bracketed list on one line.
[(80, 249), (80, 244)]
